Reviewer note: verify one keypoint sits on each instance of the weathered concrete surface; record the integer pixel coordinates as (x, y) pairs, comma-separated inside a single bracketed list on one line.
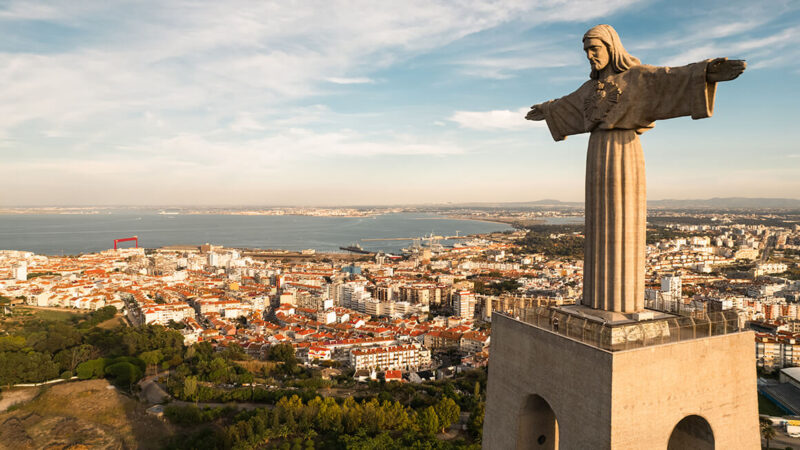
[(623, 400), (714, 378), (574, 378)]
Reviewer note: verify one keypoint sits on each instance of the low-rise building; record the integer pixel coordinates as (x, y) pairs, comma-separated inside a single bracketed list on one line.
[(399, 357)]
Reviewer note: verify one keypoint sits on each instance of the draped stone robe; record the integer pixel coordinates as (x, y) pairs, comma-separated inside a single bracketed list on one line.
[(615, 110)]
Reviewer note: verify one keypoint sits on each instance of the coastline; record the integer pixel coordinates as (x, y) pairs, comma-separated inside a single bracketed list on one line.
[(512, 221)]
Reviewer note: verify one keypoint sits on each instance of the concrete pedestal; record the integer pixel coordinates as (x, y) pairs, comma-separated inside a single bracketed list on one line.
[(548, 391)]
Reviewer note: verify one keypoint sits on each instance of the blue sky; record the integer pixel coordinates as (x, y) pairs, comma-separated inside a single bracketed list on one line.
[(363, 102)]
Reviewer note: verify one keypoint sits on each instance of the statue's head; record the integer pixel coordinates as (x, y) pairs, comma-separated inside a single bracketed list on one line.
[(603, 47)]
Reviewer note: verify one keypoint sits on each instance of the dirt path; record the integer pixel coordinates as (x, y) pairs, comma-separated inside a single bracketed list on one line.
[(20, 395), (151, 391)]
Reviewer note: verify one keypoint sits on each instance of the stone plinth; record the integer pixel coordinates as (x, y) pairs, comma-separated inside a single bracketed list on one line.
[(550, 391)]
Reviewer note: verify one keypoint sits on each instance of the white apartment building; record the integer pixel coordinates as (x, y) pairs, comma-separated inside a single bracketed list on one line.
[(400, 357), (353, 296), (464, 304), (19, 271), (776, 352), (671, 287), (765, 268), (162, 314)]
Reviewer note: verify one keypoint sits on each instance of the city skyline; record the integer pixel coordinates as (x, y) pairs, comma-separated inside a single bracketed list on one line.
[(346, 105)]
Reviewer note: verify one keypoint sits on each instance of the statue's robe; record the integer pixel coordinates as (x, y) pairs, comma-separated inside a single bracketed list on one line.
[(615, 110)]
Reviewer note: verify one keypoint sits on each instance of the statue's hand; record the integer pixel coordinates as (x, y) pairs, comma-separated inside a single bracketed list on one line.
[(535, 113), (724, 69)]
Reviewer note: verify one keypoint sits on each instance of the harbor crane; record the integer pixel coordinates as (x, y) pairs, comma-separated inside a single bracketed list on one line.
[(133, 238)]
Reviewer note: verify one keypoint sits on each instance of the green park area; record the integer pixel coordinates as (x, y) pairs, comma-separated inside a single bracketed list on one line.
[(47, 314), (224, 398)]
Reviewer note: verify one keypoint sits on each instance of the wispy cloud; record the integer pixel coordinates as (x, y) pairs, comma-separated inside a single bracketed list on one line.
[(503, 67), (292, 144), (764, 51), (195, 56), (493, 120), (750, 30), (356, 80)]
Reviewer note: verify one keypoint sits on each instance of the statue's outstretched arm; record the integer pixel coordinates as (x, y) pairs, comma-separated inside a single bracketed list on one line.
[(535, 113), (724, 69)]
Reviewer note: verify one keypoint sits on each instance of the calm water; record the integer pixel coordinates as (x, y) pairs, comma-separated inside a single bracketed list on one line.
[(54, 234)]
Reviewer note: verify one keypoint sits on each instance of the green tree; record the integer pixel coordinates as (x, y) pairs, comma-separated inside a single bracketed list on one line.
[(234, 351), (124, 373), (57, 336), (767, 431), (12, 343), (93, 368), (351, 415), (69, 358), (152, 359), (428, 421), (18, 367), (447, 411), (219, 370), (329, 416), (285, 353), (190, 388), (475, 425), (191, 351)]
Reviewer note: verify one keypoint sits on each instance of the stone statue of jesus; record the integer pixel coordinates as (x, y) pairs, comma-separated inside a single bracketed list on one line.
[(621, 101)]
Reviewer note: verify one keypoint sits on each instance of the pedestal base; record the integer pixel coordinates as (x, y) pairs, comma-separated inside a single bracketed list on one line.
[(549, 391)]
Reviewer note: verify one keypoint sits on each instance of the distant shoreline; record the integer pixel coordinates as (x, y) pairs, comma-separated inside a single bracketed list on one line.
[(516, 221), (501, 220)]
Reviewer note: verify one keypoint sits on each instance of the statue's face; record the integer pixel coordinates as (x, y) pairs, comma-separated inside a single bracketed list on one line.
[(596, 53)]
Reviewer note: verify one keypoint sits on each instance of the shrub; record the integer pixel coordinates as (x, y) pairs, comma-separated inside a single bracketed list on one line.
[(94, 368), (123, 373)]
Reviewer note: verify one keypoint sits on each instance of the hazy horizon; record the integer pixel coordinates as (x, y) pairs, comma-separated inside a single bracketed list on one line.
[(368, 205)]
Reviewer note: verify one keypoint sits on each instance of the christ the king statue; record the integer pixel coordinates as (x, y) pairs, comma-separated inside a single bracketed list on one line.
[(621, 100)]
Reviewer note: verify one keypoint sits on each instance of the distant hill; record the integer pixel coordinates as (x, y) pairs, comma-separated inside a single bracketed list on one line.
[(727, 203)]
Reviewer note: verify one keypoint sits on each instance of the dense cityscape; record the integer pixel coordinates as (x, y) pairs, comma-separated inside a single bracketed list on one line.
[(350, 324), (353, 225)]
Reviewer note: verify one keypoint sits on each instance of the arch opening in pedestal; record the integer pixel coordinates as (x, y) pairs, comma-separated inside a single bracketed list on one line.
[(538, 426), (692, 432)]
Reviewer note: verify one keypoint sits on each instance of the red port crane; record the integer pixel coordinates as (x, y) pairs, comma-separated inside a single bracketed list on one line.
[(134, 238)]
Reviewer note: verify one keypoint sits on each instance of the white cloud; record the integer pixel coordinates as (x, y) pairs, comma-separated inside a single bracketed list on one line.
[(503, 67), (494, 120), (245, 122), (357, 80), (217, 59), (295, 144), (749, 30), (767, 51), (200, 92)]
